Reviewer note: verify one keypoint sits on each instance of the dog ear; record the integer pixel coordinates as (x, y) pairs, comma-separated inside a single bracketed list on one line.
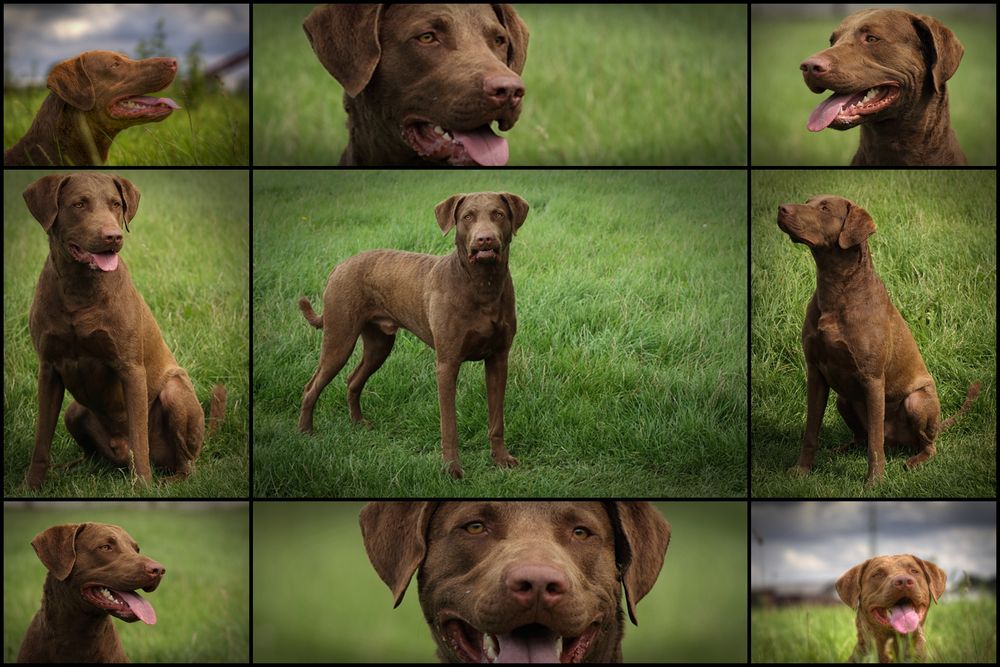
[(71, 82), (130, 196), (395, 536), (518, 208), (42, 198), (56, 548), (517, 48), (858, 226), (943, 50), (935, 576), (446, 210), (849, 585), (641, 540), (345, 39)]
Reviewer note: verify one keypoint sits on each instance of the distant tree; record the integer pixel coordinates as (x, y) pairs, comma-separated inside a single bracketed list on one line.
[(156, 45), (194, 81)]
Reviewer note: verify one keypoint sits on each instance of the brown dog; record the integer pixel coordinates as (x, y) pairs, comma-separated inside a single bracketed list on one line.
[(892, 595), (94, 569), (423, 83), (94, 97), (887, 69), (462, 305), (96, 337), (520, 581), (856, 342)]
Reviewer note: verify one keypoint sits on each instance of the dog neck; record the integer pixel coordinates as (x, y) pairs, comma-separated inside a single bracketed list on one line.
[(915, 137), (839, 271), (65, 614)]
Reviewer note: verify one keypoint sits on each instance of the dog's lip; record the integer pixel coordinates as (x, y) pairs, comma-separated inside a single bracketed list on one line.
[(141, 106), (110, 600), (468, 642), (881, 614), (460, 145)]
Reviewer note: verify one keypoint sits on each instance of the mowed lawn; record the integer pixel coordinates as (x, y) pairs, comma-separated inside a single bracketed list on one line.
[(607, 84), (628, 373), (935, 250)]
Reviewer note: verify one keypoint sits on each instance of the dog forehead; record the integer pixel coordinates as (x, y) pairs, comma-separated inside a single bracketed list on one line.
[(97, 532), (529, 515), (86, 184), (482, 200)]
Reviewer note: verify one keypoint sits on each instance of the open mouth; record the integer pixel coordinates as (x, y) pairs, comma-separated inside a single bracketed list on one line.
[(140, 106), (126, 605), (104, 261), (460, 148), (528, 643), (903, 616), (842, 111), (484, 255)]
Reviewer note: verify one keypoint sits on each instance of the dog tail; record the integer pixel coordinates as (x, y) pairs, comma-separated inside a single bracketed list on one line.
[(969, 398), (217, 408), (309, 313)]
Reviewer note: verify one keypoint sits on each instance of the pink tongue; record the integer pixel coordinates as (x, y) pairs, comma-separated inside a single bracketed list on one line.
[(535, 646), (486, 148), (904, 618), (106, 261), (153, 101), (139, 607), (823, 115)]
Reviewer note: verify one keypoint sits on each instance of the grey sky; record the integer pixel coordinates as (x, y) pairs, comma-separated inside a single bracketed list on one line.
[(813, 542), (37, 36)]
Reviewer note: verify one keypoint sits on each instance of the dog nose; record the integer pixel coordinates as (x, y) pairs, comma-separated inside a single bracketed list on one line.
[(504, 88), (537, 584), (903, 581), (815, 65)]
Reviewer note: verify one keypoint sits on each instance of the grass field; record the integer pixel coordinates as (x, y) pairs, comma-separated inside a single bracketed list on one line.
[(935, 249), (188, 253), (627, 376), (202, 604), (961, 630), (216, 133), (301, 619), (606, 85), (780, 103)]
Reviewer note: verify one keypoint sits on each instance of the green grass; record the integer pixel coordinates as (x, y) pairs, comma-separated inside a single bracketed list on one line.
[(627, 376), (292, 619), (780, 103), (215, 133), (202, 603), (935, 250), (961, 630), (188, 253), (606, 85)]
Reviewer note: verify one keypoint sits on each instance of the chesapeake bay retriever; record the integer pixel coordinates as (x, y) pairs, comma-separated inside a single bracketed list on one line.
[(887, 69), (96, 337), (423, 83), (462, 305), (94, 570), (856, 342), (892, 595), (94, 97), (520, 581)]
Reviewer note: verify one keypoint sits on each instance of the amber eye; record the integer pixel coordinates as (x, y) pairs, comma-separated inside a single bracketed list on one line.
[(581, 533), (475, 528), (467, 216), (824, 207), (871, 39), (499, 40), (427, 38), (105, 547), (78, 204), (116, 204)]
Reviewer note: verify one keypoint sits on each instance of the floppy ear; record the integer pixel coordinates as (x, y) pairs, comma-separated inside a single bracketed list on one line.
[(943, 50), (56, 548), (518, 208), (130, 195), (345, 39), (517, 48), (71, 82), (641, 540), (935, 576), (445, 212), (42, 198), (858, 226), (849, 585), (395, 536)]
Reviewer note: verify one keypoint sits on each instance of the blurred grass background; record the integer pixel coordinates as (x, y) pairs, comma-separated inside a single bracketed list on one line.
[(935, 250), (189, 255), (202, 604), (336, 609), (628, 373), (780, 102), (607, 84)]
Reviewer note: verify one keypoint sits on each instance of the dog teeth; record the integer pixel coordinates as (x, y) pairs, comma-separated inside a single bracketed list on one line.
[(438, 129), (106, 594), (872, 92), (558, 646), (489, 647)]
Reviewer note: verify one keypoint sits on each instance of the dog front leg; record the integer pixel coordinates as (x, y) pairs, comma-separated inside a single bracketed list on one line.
[(447, 377), (875, 402), (50, 398), (137, 408)]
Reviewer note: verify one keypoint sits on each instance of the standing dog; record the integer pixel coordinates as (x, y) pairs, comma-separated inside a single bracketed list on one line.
[(462, 305)]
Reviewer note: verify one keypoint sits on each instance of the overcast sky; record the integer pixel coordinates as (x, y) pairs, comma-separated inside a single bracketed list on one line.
[(813, 542), (38, 36)]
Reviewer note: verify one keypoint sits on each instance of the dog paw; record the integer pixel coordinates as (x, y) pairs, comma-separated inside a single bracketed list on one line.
[(798, 471), (455, 470), (506, 461)]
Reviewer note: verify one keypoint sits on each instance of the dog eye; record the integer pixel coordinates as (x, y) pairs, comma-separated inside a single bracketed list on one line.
[(116, 204), (581, 533), (475, 528), (427, 38), (467, 216), (871, 39), (824, 207), (105, 547), (78, 204), (499, 40)]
